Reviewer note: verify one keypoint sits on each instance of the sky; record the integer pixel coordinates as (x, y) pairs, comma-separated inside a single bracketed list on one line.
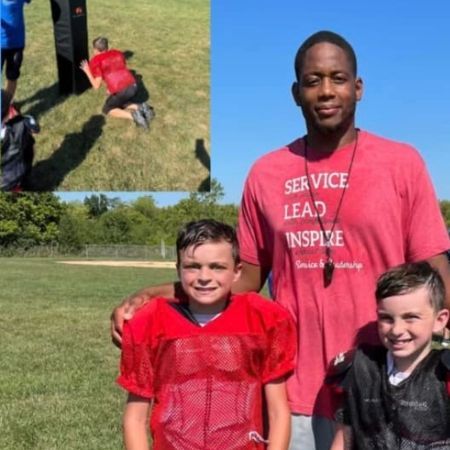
[(403, 51)]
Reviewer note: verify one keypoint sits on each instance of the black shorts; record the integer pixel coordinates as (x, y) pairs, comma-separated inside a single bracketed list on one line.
[(13, 58), (120, 99)]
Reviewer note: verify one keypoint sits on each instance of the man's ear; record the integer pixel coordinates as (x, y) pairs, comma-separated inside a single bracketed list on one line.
[(295, 93), (359, 88)]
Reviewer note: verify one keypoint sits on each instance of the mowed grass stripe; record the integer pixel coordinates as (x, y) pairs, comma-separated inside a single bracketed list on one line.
[(58, 366)]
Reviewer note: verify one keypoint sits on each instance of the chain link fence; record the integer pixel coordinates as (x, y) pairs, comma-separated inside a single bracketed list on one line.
[(160, 252)]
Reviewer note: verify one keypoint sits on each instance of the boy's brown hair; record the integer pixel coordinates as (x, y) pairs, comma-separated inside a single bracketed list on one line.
[(100, 43), (207, 230), (410, 277)]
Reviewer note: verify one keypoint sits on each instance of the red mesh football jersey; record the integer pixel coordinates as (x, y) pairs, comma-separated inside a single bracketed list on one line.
[(207, 382), (112, 68)]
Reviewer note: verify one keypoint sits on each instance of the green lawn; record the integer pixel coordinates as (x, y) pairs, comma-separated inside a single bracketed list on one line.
[(58, 366), (167, 43)]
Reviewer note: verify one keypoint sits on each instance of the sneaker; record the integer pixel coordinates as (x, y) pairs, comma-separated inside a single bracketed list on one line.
[(147, 111), (139, 119)]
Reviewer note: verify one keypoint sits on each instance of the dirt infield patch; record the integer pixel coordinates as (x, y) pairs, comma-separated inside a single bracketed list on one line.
[(151, 264)]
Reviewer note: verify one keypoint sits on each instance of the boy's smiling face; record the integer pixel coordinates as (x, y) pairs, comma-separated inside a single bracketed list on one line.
[(206, 272), (406, 324)]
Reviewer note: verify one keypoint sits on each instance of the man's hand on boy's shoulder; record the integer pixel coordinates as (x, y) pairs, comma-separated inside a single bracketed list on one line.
[(125, 311), (129, 305)]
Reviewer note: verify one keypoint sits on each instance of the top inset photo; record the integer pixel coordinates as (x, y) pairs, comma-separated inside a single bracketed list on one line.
[(105, 96)]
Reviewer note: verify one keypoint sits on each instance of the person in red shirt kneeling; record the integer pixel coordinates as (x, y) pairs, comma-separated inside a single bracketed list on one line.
[(109, 65)]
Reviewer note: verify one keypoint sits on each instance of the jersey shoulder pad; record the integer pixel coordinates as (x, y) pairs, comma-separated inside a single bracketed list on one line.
[(339, 367)]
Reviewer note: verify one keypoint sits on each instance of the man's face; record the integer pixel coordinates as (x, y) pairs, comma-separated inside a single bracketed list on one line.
[(327, 90), (405, 325), (206, 273)]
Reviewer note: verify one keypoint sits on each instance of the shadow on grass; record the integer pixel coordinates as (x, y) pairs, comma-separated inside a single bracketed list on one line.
[(203, 156), (43, 100), (48, 174)]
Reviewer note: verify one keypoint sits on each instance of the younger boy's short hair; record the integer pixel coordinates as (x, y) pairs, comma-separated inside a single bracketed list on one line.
[(409, 277), (207, 230), (100, 43)]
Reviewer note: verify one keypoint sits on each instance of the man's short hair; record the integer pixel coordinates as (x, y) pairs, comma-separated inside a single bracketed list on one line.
[(207, 230), (409, 277), (319, 38), (100, 43)]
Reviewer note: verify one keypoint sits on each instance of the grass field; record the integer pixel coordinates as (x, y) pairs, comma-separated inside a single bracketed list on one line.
[(58, 365), (167, 45)]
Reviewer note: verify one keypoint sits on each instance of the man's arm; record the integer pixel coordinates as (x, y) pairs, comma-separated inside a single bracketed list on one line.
[(441, 264), (95, 81), (252, 278), (343, 438), (135, 423), (279, 415)]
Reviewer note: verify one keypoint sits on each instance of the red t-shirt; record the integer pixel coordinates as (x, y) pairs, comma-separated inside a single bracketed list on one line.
[(389, 215), (112, 68), (206, 382)]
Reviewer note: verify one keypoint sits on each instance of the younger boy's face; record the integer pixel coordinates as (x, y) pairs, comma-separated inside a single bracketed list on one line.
[(206, 273), (405, 325)]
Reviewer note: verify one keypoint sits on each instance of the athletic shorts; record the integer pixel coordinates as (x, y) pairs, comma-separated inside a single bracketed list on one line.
[(311, 432), (13, 58), (120, 99)]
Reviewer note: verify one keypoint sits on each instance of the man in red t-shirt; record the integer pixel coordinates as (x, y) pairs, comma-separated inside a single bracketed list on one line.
[(326, 215), (110, 66)]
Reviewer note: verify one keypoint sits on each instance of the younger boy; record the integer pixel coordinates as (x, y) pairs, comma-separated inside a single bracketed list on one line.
[(110, 66), (396, 396), (205, 360)]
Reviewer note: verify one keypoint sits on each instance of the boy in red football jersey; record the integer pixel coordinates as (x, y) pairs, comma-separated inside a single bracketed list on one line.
[(109, 65), (205, 359)]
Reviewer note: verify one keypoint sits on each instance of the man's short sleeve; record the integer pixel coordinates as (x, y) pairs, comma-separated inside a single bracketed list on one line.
[(426, 232), (281, 350), (252, 232), (136, 371)]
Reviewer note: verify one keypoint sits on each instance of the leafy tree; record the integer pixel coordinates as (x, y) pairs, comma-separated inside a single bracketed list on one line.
[(214, 196), (123, 225), (99, 204), (74, 227), (28, 219), (146, 206)]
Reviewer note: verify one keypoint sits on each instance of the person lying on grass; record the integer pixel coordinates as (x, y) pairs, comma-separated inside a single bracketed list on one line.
[(204, 361), (109, 65), (397, 395)]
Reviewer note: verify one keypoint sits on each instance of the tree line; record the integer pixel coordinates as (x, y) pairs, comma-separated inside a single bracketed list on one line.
[(29, 219)]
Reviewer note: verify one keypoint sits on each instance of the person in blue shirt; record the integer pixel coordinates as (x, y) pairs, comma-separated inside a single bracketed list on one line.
[(13, 41)]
